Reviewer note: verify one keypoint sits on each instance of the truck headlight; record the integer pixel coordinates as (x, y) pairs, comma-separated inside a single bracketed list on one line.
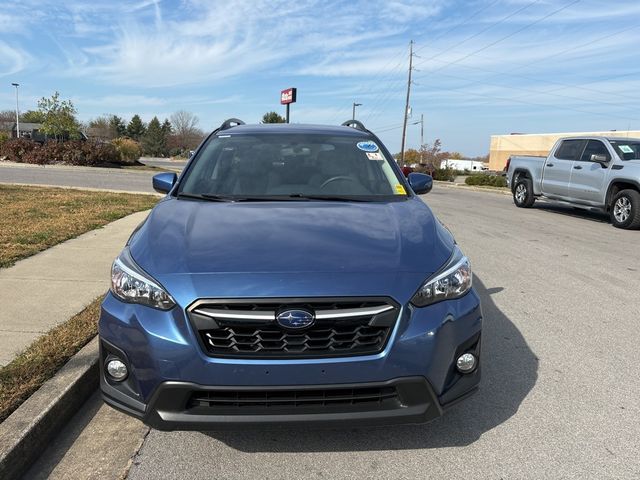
[(452, 281), (132, 285)]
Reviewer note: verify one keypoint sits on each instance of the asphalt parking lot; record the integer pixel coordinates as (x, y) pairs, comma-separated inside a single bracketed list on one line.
[(560, 396)]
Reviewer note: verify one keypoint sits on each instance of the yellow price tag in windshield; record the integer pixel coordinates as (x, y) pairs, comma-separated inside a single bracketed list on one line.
[(400, 190)]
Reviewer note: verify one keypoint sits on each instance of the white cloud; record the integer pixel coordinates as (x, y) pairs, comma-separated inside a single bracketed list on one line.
[(12, 60)]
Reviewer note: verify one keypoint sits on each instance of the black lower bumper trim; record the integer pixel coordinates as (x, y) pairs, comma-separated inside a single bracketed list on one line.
[(172, 406)]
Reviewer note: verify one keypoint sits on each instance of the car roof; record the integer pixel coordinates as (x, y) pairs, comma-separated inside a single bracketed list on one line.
[(596, 137), (284, 128)]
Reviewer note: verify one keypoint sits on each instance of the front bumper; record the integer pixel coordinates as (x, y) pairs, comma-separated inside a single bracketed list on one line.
[(167, 366), (172, 407)]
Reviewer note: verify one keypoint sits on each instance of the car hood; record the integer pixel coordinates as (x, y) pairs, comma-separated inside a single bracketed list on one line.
[(199, 237)]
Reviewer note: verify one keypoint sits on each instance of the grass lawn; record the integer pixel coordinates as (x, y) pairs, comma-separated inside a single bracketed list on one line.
[(36, 218), (44, 357)]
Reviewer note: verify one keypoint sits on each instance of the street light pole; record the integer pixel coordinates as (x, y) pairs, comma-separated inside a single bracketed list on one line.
[(17, 111), (353, 115)]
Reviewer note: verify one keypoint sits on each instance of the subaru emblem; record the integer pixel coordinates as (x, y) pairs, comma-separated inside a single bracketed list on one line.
[(295, 319)]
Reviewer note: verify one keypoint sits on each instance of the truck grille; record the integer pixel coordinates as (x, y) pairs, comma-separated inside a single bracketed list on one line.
[(249, 329)]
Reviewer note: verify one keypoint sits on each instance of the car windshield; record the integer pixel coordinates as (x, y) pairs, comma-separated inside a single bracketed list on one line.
[(627, 150), (289, 166)]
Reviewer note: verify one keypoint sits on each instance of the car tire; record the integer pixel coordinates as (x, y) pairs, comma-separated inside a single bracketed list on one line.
[(523, 193), (625, 209)]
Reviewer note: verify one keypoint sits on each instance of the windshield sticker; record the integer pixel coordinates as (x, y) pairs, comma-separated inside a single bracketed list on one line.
[(374, 156), (400, 190), (368, 146), (625, 148)]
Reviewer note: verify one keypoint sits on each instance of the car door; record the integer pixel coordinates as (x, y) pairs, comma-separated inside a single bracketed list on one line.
[(587, 176), (557, 171)]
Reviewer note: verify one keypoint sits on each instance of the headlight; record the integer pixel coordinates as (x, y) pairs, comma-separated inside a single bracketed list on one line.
[(130, 284), (453, 281)]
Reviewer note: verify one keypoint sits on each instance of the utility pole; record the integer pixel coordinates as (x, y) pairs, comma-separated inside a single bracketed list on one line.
[(353, 115), (17, 111), (421, 137), (406, 106)]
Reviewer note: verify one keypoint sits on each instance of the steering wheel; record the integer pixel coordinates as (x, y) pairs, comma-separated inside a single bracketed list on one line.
[(334, 179)]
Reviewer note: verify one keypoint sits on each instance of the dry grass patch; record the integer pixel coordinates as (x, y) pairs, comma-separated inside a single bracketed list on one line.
[(33, 219), (44, 357)]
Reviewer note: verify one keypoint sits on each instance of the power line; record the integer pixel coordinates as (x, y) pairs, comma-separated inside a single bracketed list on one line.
[(489, 27), (506, 36), (539, 92), (517, 100), (458, 25), (380, 76)]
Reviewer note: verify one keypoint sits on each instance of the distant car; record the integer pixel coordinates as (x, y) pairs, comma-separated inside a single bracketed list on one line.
[(191, 152), (406, 170), (291, 275)]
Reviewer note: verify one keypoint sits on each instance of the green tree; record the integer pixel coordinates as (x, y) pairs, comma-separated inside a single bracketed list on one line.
[(136, 128), (118, 128), (59, 116), (154, 141), (167, 129), (32, 116), (272, 117)]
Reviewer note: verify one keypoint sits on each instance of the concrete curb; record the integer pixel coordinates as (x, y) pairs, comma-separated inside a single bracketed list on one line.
[(109, 190), (464, 186), (74, 168), (26, 433)]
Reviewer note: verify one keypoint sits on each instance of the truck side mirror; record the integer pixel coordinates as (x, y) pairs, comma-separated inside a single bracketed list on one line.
[(601, 159)]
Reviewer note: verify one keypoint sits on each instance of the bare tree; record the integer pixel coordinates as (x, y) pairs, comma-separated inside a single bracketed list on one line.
[(185, 129)]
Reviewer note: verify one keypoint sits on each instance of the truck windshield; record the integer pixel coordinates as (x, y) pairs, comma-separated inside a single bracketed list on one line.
[(291, 166), (626, 149)]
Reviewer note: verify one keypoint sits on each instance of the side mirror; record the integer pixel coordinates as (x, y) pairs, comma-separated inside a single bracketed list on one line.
[(164, 182), (420, 182), (601, 159)]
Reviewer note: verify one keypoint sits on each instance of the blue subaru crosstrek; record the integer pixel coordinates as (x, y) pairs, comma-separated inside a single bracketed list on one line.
[(291, 275)]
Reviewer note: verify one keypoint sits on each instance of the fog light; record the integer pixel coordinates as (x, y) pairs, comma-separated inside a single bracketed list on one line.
[(117, 369), (466, 362)]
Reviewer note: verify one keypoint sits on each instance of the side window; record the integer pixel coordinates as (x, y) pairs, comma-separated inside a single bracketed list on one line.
[(570, 149), (594, 147)]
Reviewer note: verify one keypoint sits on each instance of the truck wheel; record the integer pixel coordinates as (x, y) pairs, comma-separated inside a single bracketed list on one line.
[(523, 193), (625, 209)]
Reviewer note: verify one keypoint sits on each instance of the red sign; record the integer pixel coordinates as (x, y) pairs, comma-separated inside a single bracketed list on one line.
[(288, 96)]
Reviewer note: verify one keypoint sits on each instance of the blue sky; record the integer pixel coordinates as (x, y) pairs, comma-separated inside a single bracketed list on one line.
[(483, 66)]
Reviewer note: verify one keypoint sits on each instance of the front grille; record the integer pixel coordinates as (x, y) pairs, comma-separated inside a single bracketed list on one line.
[(249, 329), (344, 399)]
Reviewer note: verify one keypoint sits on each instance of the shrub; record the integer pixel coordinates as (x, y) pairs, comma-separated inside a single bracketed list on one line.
[(73, 152), (92, 154), (15, 149), (487, 180), (444, 174), (49, 153), (4, 136), (128, 150)]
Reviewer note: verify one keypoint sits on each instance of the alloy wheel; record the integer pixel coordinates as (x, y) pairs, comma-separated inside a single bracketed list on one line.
[(622, 209), (521, 193)]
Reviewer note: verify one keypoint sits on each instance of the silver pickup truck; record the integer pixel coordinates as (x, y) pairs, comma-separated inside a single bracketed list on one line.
[(589, 172)]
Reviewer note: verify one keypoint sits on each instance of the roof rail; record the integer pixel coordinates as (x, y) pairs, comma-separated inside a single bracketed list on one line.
[(355, 124), (230, 123)]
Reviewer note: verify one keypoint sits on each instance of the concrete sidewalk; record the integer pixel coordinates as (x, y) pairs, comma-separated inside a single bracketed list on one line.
[(46, 289)]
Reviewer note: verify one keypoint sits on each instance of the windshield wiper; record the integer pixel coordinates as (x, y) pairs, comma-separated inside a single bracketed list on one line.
[(330, 198), (205, 196)]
